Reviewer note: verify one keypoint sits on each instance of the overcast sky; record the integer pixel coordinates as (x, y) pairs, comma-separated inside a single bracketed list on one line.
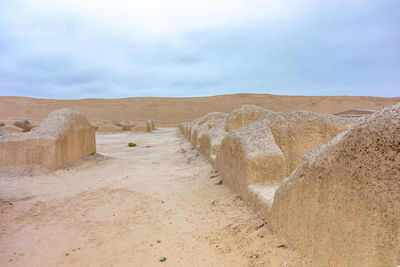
[(125, 48)]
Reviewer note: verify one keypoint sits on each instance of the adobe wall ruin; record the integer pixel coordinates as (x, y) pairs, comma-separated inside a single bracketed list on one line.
[(63, 137), (145, 126), (254, 159), (206, 133), (123, 125), (341, 206), (109, 128)]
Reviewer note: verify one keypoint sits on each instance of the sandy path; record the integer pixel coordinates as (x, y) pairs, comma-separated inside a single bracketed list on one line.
[(129, 206)]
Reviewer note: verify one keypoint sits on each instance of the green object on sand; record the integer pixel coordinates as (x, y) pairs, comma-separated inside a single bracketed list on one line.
[(131, 144)]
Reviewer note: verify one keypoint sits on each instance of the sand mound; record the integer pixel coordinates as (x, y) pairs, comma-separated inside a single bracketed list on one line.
[(63, 137), (255, 158), (341, 206)]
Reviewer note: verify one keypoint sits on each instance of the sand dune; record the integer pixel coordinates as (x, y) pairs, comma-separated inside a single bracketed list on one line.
[(173, 109)]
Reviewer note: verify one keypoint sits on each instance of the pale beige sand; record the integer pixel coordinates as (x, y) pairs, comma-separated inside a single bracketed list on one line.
[(166, 111), (110, 210)]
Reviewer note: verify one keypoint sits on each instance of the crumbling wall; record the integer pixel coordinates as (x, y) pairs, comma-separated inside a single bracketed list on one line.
[(145, 126), (183, 127), (255, 158), (208, 138), (63, 137), (195, 124), (341, 206), (249, 155), (280, 139), (109, 128), (97, 123), (152, 125), (203, 141), (243, 116), (210, 141), (124, 124), (24, 124), (297, 132)]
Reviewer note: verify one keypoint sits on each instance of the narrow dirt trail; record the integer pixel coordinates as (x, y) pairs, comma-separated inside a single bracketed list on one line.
[(129, 206)]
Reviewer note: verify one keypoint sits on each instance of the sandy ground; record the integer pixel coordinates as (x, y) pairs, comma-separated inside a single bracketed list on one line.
[(129, 207), (167, 110)]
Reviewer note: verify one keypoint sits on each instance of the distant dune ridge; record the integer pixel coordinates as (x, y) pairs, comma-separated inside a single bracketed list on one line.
[(183, 109)]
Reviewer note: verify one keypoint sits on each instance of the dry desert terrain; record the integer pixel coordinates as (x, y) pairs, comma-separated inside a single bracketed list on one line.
[(129, 207), (171, 111), (245, 180)]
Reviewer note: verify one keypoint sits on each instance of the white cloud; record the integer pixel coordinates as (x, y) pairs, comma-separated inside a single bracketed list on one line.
[(166, 18)]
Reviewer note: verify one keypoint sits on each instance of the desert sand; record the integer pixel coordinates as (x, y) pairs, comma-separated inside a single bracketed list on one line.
[(170, 111), (129, 206), (223, 189)]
